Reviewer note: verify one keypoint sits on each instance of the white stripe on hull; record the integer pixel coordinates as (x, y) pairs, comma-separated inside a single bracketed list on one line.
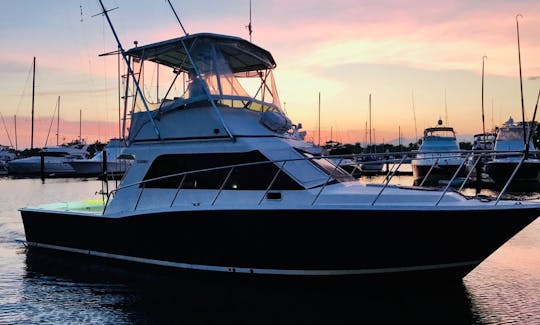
[(232, 269)]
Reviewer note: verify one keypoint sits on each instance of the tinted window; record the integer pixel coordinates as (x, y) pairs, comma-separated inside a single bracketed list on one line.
[(252, 177)]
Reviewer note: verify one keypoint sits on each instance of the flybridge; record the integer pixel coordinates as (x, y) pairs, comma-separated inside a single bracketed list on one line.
[(207, 70)]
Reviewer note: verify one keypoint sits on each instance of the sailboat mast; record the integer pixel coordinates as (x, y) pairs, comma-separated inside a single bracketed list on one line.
[(414, 117), (80, 125), (319, 118), (15, 121), (33, 90), (58, 122), (483, 118), (445, 109), (370, 119), (521, 82)]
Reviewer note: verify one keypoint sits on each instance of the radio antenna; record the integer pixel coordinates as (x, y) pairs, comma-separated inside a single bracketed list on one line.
[(249, 26), (174, 11)]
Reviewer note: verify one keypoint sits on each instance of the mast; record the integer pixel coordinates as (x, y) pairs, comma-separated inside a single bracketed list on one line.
[(33, 90), (15, 121), (370, 119), (414, 117), (58, 122), (483, 118), (521, 83), (319, 118), (445, 109), (80, 125)]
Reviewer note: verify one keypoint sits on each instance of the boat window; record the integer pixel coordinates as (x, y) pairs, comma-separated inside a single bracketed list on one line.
[(53, 154), (328, 167), (511, 134), (251, 177)]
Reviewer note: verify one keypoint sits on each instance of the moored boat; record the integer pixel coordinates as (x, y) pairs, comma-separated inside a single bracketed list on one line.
[(222, 181), (509, 160), (50, 161), (438, 157)]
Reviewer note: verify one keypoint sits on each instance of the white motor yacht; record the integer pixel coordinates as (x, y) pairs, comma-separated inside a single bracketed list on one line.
[(116, 162), (438, 157), (509, 156), (50, 161)]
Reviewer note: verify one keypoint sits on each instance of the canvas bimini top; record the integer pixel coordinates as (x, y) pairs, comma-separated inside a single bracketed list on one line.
[(240, 55)]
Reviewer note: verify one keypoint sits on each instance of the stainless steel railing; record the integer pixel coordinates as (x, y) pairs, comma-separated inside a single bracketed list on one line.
[(395, 159)]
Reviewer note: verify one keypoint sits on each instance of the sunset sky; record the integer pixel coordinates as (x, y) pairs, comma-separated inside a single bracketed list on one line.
[(394, 50)]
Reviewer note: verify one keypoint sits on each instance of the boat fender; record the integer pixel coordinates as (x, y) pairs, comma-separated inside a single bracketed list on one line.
[(276, 121)]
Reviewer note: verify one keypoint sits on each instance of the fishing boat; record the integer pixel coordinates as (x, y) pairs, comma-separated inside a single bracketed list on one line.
[(438, 157), (223, 182), (509, 161)]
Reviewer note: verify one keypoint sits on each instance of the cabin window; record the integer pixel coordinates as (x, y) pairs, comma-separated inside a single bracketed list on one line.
[(251, 177), (329, 168)]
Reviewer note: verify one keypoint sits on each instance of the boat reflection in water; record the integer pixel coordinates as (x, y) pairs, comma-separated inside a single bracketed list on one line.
[(224, 184)]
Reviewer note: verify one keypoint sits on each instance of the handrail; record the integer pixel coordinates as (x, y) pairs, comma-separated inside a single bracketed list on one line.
[(272, 182), (510, 179), (388, 181), (453, 177), (429, 171), (327, 180), (331, 173), (223, 185)]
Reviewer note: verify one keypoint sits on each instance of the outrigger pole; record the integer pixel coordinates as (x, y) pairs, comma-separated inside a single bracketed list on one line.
[(198, 73), (130, 71), (521, 85), (174, 11)]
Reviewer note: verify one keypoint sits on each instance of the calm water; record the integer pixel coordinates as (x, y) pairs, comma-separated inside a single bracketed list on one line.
[(37, 287)]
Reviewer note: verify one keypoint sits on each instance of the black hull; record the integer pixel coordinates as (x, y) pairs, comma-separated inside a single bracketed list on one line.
[(443, 172), (527, 177), (416, 244)]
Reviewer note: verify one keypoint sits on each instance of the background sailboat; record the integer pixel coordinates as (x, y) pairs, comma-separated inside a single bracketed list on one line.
[(371, 162)]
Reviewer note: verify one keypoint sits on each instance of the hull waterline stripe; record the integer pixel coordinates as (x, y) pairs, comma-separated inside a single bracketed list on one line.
[(254, 270)]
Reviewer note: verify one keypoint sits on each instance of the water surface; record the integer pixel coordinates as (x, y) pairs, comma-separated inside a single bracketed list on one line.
[(37, 287)]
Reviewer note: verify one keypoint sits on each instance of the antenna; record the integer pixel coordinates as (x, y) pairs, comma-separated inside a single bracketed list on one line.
[(521, 83), (483, 118), (249, 26), (174, 11)]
